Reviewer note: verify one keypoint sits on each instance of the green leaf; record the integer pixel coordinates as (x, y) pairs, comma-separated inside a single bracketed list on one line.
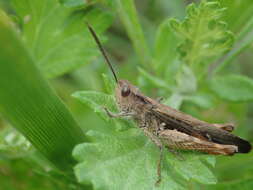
[(57, 36), (193, 168), (202, 32), (233, 87), (165, 47), (127, 160), (31, 106), (154, 80), (97, 101)]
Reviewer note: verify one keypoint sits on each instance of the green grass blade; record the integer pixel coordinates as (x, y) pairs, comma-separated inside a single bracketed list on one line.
[(128, 15), (31, 106)]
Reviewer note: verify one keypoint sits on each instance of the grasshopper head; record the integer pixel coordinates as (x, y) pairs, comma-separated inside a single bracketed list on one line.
[(125, 95), (125, 92)]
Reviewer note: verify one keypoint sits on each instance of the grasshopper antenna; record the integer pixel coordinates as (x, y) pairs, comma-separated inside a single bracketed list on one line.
[(102, 50)]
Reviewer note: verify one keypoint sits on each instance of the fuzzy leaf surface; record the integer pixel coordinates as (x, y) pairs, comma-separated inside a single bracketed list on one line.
[(128, 160), (57, 36)]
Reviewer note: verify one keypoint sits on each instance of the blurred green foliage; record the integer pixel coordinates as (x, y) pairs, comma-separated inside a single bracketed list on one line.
[(195, 54)]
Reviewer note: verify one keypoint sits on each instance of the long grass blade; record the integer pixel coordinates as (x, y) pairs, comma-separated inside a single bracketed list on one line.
[(30, 105)]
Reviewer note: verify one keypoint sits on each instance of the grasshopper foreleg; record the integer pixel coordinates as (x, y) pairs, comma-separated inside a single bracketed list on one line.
[(120, 114)]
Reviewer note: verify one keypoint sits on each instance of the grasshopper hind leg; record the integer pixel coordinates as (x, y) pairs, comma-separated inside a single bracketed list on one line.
[(183, 141)]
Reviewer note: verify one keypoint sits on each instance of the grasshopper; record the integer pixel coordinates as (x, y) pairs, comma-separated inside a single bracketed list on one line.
[(168, 127)]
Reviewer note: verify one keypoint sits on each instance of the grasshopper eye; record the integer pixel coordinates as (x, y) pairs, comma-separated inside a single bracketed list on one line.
[(125, 91)]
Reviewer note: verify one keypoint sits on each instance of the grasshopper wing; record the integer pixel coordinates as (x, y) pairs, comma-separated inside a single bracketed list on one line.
[(189, 125)]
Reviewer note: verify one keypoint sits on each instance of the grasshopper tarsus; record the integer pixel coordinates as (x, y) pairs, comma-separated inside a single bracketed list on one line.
[(109, 113)]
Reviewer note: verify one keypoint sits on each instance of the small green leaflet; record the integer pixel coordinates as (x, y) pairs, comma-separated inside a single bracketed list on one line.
[(202, 32)]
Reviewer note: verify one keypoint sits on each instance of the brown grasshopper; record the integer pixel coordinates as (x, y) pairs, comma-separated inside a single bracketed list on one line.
[(170, 128)]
